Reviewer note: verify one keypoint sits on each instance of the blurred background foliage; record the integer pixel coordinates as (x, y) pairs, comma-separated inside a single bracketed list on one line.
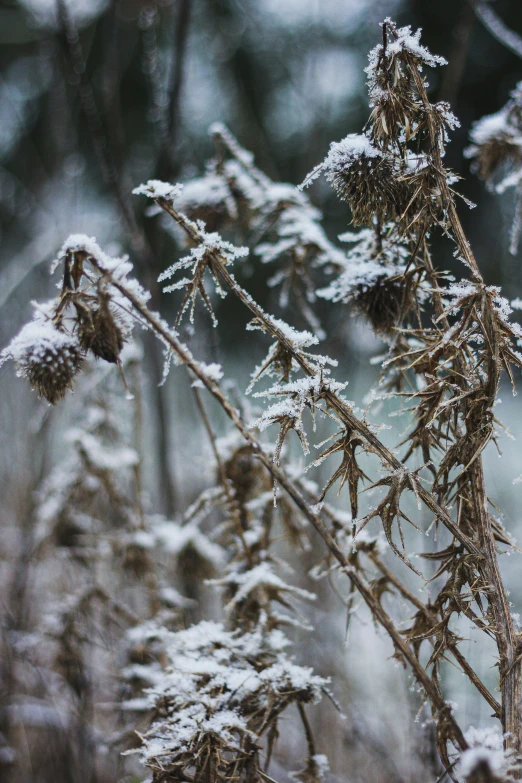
[(97, 96)]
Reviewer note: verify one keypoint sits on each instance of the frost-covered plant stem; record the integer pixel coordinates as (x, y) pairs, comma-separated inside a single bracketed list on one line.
[(508, 642), (409, 596), (222, 475), (342, 410), (183, 354), (448, 343)]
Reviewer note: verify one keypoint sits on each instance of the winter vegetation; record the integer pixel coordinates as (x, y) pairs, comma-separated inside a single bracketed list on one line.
[(196, 634)]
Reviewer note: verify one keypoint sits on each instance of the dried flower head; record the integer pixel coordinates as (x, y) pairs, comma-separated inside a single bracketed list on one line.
[(47, 356), (497, 139), (382, 302), (244, 473), (135, 553), (362, 176), (496, 153), (394, 102), (98, 330), (420, 193), (209, 199), (393, 96), (221, 692), (374, 279)]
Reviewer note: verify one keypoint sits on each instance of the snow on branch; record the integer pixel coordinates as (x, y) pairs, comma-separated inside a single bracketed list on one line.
[(217, 696)]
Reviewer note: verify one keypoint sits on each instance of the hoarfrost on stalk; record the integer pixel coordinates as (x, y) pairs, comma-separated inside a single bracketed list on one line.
[(156, 189), (209, 243), (213, 371), (297, 397), (298, 339), (260, 577), (215, 687), (175, 539), (291, 408)]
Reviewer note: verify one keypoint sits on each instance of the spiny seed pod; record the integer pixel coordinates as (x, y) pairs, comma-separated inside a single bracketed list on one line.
[(49, 358), (396, 106), (243, 471), (496, 139), (496, 152), (383, 301), (363, 176), (98, 331), (393, 115), (209, 199)]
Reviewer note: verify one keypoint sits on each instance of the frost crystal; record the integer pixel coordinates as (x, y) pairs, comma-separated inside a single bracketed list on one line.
[(298, 339), (209, 243), (210, 255), (214, 372)]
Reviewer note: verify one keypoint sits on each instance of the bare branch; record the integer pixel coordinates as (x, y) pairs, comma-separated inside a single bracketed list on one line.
[(498, 29)]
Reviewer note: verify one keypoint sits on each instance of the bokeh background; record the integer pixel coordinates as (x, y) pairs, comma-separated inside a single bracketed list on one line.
[(97, 96)]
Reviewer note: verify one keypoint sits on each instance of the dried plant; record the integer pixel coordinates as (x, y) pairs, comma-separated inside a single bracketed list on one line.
[(217, 691), (496, 149)]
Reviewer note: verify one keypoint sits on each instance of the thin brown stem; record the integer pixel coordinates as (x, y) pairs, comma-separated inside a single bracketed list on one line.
[(452, 645), (232, 504), (442, 710), (507, 640), (342, 410)]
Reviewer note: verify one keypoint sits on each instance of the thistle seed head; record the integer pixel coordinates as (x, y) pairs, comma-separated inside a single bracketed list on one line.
[(242, 469), (209, 199), (496, 139), (98, 331), (396, 106), (420, 197), (48, 357), (496, 153), (362, 176), (384, 302)]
